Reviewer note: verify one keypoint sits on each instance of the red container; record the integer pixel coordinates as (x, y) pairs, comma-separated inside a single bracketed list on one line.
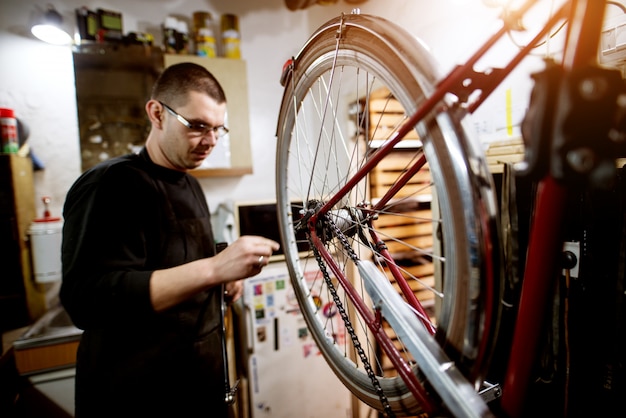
[(8, 124)]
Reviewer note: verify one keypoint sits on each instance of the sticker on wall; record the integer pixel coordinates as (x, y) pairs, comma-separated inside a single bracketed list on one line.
[(310, 350), (286, 335), (303, 333), (258, 299), (261, 334), (258, 289)]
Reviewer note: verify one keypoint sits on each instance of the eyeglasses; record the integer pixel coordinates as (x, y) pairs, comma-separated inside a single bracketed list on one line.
[(199, 129)]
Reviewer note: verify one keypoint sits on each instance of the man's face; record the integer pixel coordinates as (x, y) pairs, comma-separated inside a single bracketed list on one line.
[(189, 136)]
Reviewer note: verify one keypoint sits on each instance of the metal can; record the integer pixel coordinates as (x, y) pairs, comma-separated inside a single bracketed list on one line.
[(8, 123), (204, 36), (230, 36)]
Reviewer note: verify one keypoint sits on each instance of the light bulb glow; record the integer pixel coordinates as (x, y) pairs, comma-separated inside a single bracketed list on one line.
[(51, 34)]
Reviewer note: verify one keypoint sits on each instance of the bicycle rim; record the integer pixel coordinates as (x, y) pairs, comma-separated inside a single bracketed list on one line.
[(322, 140)]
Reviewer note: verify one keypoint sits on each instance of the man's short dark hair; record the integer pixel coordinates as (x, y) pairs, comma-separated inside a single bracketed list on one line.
[(176, 81)]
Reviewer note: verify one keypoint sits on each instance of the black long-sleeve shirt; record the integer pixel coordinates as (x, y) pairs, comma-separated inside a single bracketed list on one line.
[(124, 219)]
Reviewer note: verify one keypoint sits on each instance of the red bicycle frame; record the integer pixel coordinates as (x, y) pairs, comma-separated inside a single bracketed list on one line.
[(585, 18), (545, 244)]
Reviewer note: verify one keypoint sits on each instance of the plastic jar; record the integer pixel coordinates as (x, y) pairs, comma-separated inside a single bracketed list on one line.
[(182, 38), (45, 243), (45, 239), (170, 30)]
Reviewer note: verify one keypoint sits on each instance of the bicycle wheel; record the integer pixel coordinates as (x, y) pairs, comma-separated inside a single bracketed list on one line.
[(324, 137)]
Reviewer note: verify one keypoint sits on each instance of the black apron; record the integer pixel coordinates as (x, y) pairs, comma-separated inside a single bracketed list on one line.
[(173, 366)]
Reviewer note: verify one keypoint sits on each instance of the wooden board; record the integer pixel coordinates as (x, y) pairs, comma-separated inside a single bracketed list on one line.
[(499, 153)]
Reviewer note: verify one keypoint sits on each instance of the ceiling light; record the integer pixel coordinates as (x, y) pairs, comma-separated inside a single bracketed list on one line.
[(49, 29)]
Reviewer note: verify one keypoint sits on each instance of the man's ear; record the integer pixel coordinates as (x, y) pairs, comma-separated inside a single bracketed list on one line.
[(154, 110)]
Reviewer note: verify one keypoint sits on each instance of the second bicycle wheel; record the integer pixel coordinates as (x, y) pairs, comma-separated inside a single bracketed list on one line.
[(346, 93)]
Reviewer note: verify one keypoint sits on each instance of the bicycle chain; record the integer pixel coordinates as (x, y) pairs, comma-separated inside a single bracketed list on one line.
[(344, 316)]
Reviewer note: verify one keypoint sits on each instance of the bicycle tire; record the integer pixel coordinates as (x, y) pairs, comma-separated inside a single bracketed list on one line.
[(360, 46)]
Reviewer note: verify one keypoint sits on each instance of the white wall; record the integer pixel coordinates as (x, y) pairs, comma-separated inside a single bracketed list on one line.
[(37, 79)]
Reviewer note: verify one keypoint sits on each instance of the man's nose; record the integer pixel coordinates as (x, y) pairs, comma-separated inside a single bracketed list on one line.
[(209, 138)]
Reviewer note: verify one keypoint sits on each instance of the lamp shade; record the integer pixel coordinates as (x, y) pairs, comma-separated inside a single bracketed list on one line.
[(48, 28)]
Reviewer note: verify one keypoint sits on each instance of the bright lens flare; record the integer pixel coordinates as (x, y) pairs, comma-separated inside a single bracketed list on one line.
[(51, 34)]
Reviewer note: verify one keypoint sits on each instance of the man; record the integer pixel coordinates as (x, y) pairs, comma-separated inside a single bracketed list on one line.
[(140, 273)]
